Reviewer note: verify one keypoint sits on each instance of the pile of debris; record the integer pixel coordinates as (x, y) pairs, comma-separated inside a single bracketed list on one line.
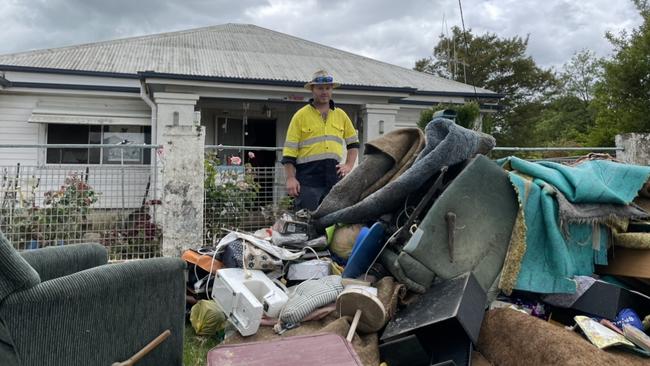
[(430, 253)]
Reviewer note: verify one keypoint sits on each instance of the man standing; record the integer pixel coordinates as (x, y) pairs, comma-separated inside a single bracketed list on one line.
[(313, 148)]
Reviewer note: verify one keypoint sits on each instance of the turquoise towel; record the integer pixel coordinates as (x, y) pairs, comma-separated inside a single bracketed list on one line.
[(551, 259)]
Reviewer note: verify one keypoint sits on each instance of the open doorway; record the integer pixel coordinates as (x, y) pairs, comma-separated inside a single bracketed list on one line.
[(261, 132), (253, 132)]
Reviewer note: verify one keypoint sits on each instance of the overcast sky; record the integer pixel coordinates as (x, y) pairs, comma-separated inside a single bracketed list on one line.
[(395, 31)]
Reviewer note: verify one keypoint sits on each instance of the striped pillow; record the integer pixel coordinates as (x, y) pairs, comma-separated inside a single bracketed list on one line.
[(309, 296)]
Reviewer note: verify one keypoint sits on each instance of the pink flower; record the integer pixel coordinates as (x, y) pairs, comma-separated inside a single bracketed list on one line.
[(251, 155), (235, 160)]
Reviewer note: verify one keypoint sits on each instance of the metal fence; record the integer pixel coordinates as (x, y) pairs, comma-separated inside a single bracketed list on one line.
[(244, 189), (565, 155), (45, 200)]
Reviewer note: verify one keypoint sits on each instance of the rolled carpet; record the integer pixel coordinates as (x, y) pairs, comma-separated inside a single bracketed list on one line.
[(385, 159), (446, 144)]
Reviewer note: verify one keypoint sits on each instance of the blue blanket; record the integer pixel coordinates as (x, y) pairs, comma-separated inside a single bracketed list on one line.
[(552, 259)]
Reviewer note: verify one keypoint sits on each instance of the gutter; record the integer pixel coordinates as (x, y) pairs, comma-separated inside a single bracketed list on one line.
[(152, 74), (460, 94), (299, 84), (49, 70)]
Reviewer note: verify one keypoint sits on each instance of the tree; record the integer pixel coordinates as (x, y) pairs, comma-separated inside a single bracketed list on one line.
[(466, 113), (622, 99), (568, 114), (500, 65), (580, 75)]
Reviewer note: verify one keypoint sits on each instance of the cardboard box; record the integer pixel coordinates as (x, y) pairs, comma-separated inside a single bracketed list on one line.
[(627, 262), (439, 327)]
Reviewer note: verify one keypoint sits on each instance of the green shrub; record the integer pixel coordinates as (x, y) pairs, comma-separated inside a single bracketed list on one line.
[(466, 113)]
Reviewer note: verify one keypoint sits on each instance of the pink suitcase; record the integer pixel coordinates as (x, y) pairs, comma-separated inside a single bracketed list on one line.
[(320, 349)]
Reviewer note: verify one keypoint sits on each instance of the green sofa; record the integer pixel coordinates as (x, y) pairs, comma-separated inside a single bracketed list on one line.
[(66, 306)]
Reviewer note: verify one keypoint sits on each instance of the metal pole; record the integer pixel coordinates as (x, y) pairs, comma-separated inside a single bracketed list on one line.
[(122, 179)]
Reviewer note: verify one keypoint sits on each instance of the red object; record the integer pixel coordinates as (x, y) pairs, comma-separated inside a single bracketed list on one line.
[(321, 349)]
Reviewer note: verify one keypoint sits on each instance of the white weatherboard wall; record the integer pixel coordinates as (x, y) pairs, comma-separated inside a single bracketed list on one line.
[(408, 117), (15, 111), (18, 113)]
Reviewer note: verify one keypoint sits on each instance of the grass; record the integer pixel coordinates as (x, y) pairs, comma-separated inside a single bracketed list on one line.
[(195, 348)]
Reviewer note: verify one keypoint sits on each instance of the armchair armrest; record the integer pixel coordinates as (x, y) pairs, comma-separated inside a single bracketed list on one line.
[(101, 315), (55, 262)]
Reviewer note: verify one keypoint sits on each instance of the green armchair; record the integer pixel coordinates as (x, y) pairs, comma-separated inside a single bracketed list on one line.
[(67, 306)]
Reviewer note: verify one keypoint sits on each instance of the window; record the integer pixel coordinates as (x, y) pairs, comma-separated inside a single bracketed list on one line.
[(108, 135)]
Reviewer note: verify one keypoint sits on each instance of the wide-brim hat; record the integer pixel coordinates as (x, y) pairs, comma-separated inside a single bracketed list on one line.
[(322, 77)]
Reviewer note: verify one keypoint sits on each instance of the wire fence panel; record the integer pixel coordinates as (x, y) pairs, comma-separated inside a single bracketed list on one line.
[(239, 193), (115, 199), (57, 204)]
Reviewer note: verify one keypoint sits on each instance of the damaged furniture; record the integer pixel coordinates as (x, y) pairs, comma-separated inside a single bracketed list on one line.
[(67, 306), (440, 327), (446, 144), (468, 228)]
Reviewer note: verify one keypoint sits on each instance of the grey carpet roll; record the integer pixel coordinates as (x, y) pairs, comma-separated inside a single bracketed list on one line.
[(446, 144)]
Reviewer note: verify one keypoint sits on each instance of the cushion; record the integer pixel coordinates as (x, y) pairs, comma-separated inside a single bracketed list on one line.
[(309, 296), (15, 272)]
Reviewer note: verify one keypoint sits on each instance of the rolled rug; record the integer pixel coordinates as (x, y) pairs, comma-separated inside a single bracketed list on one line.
[(385, 159), (446, 144)]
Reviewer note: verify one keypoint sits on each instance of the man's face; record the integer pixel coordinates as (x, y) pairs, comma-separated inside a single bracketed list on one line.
[(322, 93)]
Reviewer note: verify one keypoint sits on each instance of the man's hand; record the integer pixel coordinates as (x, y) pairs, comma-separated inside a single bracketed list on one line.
[(293, 187), (343, 169)]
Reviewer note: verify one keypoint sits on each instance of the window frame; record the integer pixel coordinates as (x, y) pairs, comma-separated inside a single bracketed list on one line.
[(145, 130)]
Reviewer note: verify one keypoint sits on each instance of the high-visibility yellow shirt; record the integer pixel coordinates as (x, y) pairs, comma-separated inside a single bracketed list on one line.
[(314, 144)]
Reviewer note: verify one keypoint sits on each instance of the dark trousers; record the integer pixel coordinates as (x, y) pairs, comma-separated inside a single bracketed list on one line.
[(310, 197)]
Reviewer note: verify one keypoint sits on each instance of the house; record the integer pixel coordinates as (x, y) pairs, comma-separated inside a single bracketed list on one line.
[(228, 72), (242, 82)]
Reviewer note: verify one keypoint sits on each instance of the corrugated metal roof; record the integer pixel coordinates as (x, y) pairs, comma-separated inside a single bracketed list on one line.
[(232, 51)]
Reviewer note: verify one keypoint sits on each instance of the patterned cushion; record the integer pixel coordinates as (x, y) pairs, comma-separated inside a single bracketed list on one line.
[(309, 296), (15, 272)]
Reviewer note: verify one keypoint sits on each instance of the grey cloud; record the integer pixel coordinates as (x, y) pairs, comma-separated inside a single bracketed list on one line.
[(398, 32)]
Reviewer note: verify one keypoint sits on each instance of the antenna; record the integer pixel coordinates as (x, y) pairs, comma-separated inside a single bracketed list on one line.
[(462, 19)]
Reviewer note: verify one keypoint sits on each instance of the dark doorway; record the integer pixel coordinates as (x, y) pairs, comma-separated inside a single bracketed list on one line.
[(254, 132), (260, 132)]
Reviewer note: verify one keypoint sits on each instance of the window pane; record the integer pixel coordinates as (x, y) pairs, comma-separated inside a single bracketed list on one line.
[(123, 135), (95, 137), (147, 140), (67, 134)]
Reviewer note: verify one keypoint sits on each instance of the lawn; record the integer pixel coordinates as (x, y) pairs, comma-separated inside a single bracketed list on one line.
[(195, 348)]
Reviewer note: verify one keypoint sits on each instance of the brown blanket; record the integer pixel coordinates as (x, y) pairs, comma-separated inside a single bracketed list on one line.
[(403, 146), (509, 337), (385, 159)]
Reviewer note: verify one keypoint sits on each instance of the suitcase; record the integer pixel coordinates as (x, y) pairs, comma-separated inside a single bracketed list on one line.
[(321, 349)]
